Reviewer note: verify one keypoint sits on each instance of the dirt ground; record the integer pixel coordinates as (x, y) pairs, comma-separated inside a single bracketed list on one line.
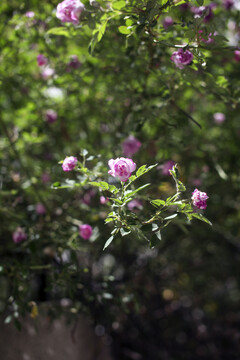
[(40, 339)]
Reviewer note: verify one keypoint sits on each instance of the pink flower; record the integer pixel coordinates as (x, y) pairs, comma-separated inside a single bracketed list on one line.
[(85, 231), (74, 63), (47, 72), (69, 11), (199, 199), (219, 117), (19, 235), (166, 167), (209, 40), (237, 55), (121, 168), (51, 116), (69, 163), (135, 204), (168, 21), (103, 200), (87, 198), (42, 60), (182, 58), (40, 209), (228, 4), (30, 14), (130, 146)]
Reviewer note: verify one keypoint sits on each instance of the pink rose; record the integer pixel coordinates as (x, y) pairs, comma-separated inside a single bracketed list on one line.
[(85, 231), (69, 163), (130, 146), (199, 199), (42, 60), (121, 168), (182, 58), (51, 116), (19, 235), (69, 11), (40, 209)]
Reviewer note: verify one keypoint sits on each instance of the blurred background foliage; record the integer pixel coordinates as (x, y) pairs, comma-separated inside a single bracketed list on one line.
[(179, 300)]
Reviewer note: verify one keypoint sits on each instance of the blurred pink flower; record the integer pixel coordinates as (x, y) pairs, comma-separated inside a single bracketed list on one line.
[(30, 14), (47, 72), (19, 235), (219, 118), (69, 163), (85, 231), (168, 21), (40, 209), (165, 167), (103, 200), (87, 198), (135, 204), (69, 11), (228, 4), (130, 146), (42, 60), (237, 55), (121, 168), (51, 116), (45, 177), (74, 63)]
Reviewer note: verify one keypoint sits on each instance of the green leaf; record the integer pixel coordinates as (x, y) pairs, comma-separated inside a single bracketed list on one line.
[(102, 184), (141, 170), (202, 218), (108, 242), (158, 202), (116, 201), (130, 193), (102, 30), (171, 217), (118, 5), (124, 232), (8, 319), (124, 30), (200, 2), (59, 31)]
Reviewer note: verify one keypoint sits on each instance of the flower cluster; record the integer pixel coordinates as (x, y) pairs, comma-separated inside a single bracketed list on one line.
[(199, 199), (121, 168), (182, 58), (69, 11)]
